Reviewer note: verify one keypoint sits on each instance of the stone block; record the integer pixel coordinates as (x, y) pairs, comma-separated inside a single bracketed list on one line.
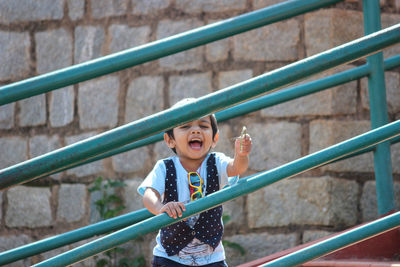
[(41, 144), (312, 235), (281, 143), (395, 151), (264, 3), (144, 97), (14, 49), (76, 9), (61, 106), (190, 59), (8, 242), (124, 37), (13, 150), (145, 7), (133, 200), (88, 169), (131, 161), (328, 28), (278, 41), (53, 50), (71, 202), (28, 207), (368, 201), (387, 21), (194, 85), (257, 246), (327, 133), (88, 43), (161, 151), (392, 82), (107, 8), (218, 51), (228, 78), (234, 209), (7, 116), (98, 103), (14, 11), (226, 141), (397, 4), (337, 100), (324, 201), (32, 111), (210, 6)]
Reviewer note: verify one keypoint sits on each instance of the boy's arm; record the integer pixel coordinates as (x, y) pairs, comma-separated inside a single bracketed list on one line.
[(241, 161), (152, 201)]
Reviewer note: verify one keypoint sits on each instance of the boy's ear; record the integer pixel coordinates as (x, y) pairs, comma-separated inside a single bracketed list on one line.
[(169, 141), (215, 141)]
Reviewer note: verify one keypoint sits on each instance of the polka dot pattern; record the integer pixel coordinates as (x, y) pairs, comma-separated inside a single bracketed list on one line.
[(208, 229)]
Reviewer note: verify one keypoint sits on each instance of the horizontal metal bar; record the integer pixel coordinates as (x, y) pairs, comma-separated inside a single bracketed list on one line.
[(268, 100), (64, 157), (155, 50), (342, 240), (106, 226), (301, 90), (70, 237), (250, 185)]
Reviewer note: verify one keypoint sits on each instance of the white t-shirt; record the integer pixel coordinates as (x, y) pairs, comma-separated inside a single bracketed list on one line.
[(196, 252)]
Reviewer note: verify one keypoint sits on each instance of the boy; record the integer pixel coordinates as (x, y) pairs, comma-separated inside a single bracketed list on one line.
[(193, 173)]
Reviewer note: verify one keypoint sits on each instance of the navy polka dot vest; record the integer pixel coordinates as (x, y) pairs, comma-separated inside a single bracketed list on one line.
[(208, 228)]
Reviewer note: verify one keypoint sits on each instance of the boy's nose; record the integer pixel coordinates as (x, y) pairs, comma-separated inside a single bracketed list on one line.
[(195, 129)]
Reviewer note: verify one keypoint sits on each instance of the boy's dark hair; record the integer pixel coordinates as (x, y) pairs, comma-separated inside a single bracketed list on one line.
[(214, 125)]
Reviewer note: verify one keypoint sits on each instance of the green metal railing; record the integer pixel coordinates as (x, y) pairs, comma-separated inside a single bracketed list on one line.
[(259, 103), (334, 243), (120, 139), (249, 185), (125, 220), (379, 112), (42, 165), (155, 50)]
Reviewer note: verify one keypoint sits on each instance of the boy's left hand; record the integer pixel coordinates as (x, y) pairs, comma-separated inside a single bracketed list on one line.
[(243, 145)]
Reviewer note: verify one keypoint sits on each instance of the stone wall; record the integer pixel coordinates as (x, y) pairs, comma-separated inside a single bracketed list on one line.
[(40, 36)]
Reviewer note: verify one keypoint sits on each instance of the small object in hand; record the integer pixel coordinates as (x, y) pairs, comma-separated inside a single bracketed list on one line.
[(242, 135)]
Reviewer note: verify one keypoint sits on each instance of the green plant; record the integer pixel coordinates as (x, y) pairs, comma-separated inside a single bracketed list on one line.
[(225, 219), (108, 206)]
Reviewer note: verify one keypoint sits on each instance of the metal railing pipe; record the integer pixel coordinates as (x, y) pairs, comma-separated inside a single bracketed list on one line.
[(73, 236), (66, 156), (268, 100), (249, 185), (155, 50), (337, 242), (379, 113)]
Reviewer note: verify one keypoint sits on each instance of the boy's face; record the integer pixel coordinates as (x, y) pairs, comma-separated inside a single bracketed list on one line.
[(193, 140)]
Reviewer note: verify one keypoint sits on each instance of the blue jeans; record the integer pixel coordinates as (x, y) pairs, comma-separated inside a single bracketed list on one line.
[(164, 262)]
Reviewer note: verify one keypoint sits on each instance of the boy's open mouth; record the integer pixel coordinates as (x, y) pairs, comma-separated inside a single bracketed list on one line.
[(195, 144)]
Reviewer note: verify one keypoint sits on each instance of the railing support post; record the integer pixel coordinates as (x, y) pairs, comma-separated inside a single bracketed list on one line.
[(379, 112)]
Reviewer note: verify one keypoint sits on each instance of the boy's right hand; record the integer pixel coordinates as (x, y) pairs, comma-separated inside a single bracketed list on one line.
[(173, 209)]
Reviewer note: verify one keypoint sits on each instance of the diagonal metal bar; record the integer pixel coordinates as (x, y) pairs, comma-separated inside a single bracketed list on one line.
[(268, 100), (249, 185), (337, 242), (73, 236), (67, 156), (155, 50)]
